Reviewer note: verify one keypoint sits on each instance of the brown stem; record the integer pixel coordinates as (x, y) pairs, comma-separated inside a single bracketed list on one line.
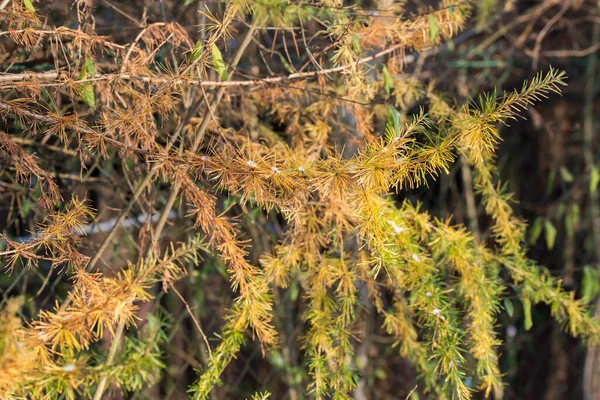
[(46, 76), (116, 340), (467, 179)]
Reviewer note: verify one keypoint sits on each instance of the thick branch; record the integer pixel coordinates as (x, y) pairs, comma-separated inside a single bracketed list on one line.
[(50, 76)]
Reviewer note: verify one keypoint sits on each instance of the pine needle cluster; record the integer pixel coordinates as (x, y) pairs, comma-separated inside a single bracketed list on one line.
[(313, 147)]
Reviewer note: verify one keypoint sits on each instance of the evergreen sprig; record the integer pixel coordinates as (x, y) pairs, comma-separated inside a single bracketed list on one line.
[(342, 242)]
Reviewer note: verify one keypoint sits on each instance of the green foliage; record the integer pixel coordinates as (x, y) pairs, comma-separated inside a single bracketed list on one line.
[(316, 194), (486, 11), (86, 89), (594, 179), (527, 313), (232, 339), (550, 233), (393, 125), (277, 13), (433, 28), (261, 396), (196, 52), (218, 63), (589, 283), (28, 5), (387, 80), (139, 363)]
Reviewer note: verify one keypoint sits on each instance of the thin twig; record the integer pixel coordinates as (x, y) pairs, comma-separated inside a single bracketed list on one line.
[(544, 31), (69, 32), (204, 126), (572, 53), (123, 13), (187, 306), (503, 30), (411, 392), (135, 42), (22, 112), (50, 147), (116, 341), (45, 76), (160, 226)]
